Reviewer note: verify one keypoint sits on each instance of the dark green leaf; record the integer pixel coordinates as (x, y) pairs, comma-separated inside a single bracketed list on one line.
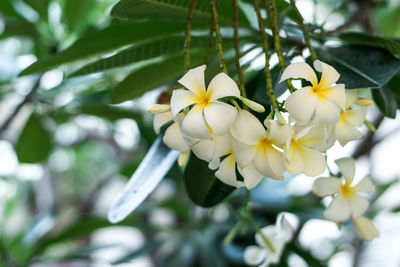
[(203, 188), (34, 143), (41, 6), (76, 12), (108, 39), (360, 66), (356, 38), (386, 101)]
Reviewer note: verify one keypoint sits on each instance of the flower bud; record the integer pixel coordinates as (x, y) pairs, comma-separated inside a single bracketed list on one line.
[(159, 108), (253, 105), (280, 118), (364, 102)]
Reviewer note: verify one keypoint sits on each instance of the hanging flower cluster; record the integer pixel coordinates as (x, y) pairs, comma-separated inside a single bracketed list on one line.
[(210, 123)]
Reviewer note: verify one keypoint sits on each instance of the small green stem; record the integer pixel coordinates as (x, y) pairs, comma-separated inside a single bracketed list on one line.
[(304, 29), (273, 17), (270, 89), (210, 42), (236, 46), (187, 34), (267, 242), (218, 35)]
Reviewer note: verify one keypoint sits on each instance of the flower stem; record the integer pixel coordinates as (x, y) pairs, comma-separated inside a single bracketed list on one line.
[(218, 35), (187, 34), (304, 29), (270, 6), (270, 89), (210, 42), (236, 46), (265, 239)]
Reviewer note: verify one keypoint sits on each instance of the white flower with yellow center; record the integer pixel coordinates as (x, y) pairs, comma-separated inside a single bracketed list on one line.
[(366, 228), (207, 111), (278, 235), (351, 118), (301, 154), (348, 200), (252, 143), (322, 101)]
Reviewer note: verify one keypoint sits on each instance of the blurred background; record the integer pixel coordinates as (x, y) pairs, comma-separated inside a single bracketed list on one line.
[(66, 152)]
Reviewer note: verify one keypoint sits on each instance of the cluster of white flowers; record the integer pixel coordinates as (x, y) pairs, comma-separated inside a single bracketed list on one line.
[(210, 123)]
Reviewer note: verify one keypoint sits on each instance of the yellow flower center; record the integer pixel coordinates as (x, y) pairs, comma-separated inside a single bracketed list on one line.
[(263, 143), (347, 190), (342, 115)]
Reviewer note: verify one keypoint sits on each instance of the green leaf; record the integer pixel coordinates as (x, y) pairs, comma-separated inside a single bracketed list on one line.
[(34, 143), (153, 76), (173, 10), (386, 101), (390, 26), (108, 39), (41, 6), (141, 52), (75, 12), (361, 66), (356, 38), (203, 188)]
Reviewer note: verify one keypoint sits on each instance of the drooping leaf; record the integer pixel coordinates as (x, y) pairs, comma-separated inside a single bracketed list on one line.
[(356, 38), (34, 143), (158, 160), (386, 101), (108, 39), (173, 10), (140, 52), (203, 188), (360, 66)]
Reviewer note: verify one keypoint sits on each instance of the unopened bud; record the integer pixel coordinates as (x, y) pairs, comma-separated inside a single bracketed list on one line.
[(281, 120), (253, 105), (364, 102), (159, 108), (183, 158), (370, 126)]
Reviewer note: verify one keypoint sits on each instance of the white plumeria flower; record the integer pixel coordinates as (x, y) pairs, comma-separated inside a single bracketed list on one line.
[(348, 200), (301, 154), (207, 112), (322, 101), (351, 118), (278, 235), (366, 228), (252, 143)]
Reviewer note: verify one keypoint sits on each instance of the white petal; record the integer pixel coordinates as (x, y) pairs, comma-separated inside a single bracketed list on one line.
[(338, 210), (263, 166), (301, 104), (285, 229), (251, 176), (227, 172), (222, 86), (347, 167), (181, 99), (314, 137), (173, 138), (365, 185), (194, 125), (219, 116), (346, 132), (351, 97), (356, 116), (254, 255), (161, 119), (194, 80), (358, 205), (300, 70), (336, 94), (366, 228), (244, 153), (329, 140), (327, 112), (293, 159), (329, 74), (214, 163), (323, 187), (247, 128), (204, 150), (222, 145), (275, 160), (314, 162), (277, 133)]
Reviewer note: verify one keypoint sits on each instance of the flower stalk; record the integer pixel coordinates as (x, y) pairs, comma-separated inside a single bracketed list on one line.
[(218, 35), (187, 34), (268, 77), (304, 29), (236, 46)]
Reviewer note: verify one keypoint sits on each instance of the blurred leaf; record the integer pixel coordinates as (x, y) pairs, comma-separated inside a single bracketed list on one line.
[(360, 66), (203, 188), (386, 101), (356, 38), (7, 8), (173, 10), (110, 38), (34, 143), (141, 52), (157, 162), (146, 249), (17, 27), (41, 6), (152, 76), (76, 12), (390, 26)]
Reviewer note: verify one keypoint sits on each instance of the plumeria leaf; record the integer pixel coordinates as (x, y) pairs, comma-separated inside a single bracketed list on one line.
[(157, 162), (356, 38), (203, 188), (108, 39), (361, 66), (387, 97)]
